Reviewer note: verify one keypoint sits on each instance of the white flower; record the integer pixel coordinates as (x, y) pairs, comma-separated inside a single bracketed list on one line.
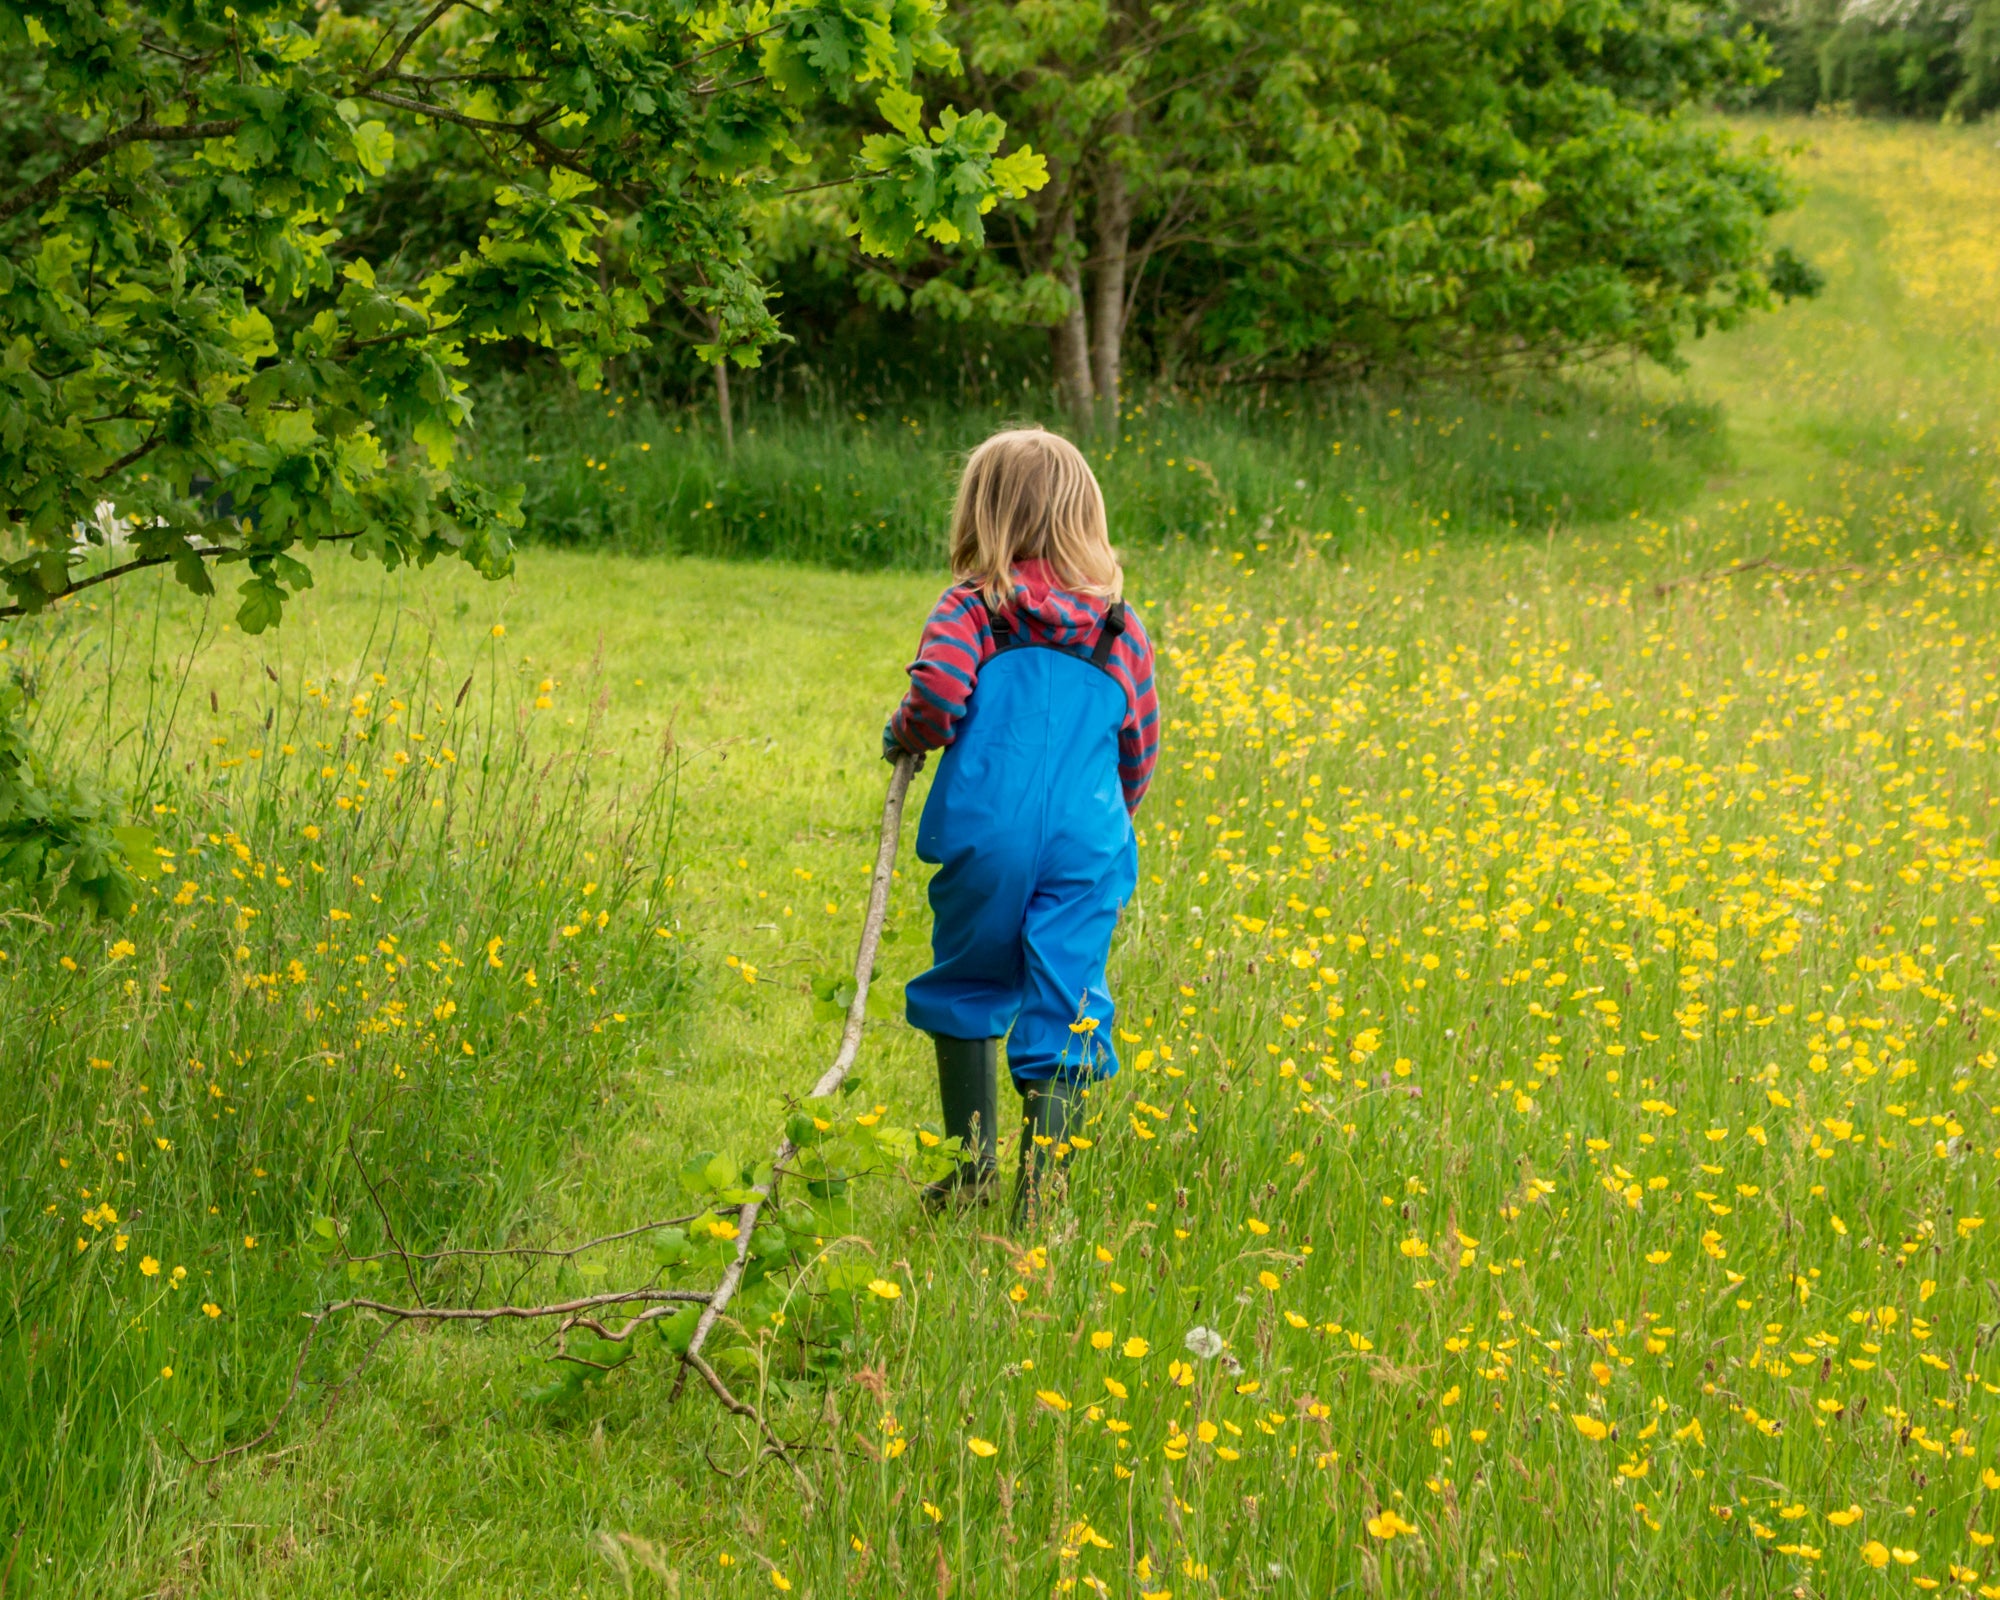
[(1204, 1342)]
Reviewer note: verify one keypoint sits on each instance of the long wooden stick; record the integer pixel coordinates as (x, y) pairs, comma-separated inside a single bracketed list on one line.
[(834, 1076)]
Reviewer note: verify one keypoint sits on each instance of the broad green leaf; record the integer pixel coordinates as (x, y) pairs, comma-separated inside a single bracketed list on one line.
[(375, 147), (263, 605), (253, 334), (902, 110), (439, 439)]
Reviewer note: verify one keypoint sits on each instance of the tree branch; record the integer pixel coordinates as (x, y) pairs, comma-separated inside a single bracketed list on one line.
[(392, 338), (131, 456), (730, 44), (705, 89), (141, 563), (529, 133), (808, 188), (423, 108), (431, 19), (1758, 564), (144, 131), (171, 54), (523, 1251), (459, 77)]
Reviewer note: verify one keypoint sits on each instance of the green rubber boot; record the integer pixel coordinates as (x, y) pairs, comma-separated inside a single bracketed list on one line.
[(966, 1075), (1045, 1114)]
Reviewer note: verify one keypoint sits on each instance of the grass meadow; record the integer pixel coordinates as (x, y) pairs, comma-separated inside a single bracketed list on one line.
[(1559, 1007)]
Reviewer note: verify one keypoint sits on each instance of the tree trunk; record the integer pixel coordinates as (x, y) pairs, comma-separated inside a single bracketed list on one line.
[(1069, 340), (723, 393), (1114, 239), (723, 411)]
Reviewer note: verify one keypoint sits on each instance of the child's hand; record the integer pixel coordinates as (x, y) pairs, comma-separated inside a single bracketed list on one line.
[(892, 752)]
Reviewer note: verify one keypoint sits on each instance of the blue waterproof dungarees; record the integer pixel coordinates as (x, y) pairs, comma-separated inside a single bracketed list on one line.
[(1026, 824)]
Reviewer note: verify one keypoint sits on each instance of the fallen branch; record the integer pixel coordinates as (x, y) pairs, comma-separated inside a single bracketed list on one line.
[(1757, 564), (527, 1252), (561, 1308), (830, 1080)]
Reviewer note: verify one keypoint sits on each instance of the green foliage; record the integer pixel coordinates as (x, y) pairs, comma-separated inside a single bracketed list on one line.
[(940, 186), (808, 1292), (1793, 277), (198, 368), (1269, 188), (1928, 58), (57, 840)]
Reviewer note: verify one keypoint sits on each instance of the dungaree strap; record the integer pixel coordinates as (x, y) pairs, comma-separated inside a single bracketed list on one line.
[(1108, 633), (1003, 630)]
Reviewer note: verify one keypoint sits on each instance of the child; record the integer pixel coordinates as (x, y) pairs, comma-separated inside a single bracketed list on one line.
[(1037, 684)]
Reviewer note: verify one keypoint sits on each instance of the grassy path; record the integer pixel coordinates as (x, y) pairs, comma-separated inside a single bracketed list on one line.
[(1886, 387)]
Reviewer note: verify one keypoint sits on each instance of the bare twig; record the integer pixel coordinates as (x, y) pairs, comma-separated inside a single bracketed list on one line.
[(271, 1427), (523, 1252), (743, 1408), (835, 1075), (333, 1395), (388, 1227)]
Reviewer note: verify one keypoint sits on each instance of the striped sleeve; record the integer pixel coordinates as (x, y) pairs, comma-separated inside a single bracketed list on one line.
[(1139, 736), (957, 640)]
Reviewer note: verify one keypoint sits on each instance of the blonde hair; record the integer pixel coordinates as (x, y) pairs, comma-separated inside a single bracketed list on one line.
[(1028, 494)]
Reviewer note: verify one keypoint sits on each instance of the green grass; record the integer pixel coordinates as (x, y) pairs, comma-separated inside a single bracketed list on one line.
[(332, 988), (863, 488), (1726, 816)]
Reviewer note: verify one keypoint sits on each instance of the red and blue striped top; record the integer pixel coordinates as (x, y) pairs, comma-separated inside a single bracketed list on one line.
[(958, 641)]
